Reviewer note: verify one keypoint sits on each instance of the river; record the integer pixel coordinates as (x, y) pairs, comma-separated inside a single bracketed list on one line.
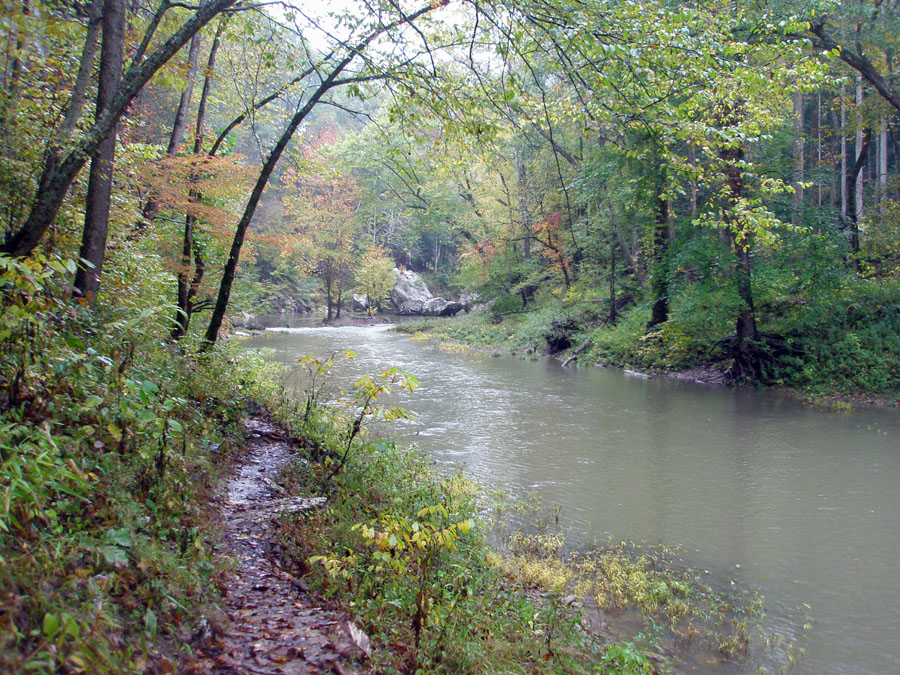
[(801, 504)]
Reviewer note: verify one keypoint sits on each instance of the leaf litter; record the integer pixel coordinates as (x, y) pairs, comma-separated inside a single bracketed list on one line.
[(272, 623)]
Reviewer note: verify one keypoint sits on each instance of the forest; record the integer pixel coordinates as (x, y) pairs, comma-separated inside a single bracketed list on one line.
[(710, 187)]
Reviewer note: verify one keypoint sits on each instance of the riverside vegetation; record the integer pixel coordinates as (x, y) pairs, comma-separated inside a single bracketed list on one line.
[(835, 344), (109, 561), (447, 578)]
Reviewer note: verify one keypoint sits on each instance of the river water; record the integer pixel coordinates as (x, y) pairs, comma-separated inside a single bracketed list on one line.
[(801, 504)]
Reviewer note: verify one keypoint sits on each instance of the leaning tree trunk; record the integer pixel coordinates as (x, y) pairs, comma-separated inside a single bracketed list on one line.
[(57, 177), (329, 82), (96, 218), (79, 90)]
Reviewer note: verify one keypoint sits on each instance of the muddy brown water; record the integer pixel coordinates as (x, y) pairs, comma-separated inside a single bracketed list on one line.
[(762, 492)]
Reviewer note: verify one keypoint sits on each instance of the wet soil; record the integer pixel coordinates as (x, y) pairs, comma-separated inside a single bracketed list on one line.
[(272, 623)]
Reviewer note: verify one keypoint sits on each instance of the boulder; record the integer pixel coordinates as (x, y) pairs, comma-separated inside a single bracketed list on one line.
[(412, 297), (441, 307), (470, 300), (360, 303), (410, 292), (247, 321)]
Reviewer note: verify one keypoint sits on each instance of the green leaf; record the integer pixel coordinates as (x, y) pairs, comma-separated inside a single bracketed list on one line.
[(114, 431), (114, 555), (119, 536), (150, 623), (149, 387), (51, 625), (71, 626)]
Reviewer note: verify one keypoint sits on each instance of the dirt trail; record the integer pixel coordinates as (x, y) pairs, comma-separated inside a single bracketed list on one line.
[(273, 625)]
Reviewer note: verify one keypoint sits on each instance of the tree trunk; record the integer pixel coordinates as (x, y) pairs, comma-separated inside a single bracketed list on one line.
[(524, 209), (96, 218), (747, 364), (882, 164), (151, 209), (328, 298), (340, 293), (857, 205), (79, 90), (853, 184), (819, 147), (660, 311), (799, 152), (612, 280), (692, 160), (525, 216), (844, 197), (184, 103), (858, 62), (199, 270), (330, 81), (85, 69)]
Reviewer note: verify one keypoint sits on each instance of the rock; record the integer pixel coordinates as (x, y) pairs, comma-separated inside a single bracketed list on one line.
[(360, 303), (411, 296), (410, 292), (441, 307), (247, 321), (469, 300)]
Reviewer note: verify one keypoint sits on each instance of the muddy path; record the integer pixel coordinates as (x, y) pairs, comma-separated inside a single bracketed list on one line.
[(272, 624)]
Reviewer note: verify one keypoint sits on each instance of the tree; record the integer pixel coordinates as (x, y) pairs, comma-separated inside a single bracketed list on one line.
[(56, 176), (324, 208), (375, 276), (329, 73)]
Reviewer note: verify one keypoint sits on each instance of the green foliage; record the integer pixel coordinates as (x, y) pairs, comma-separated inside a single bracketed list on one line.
[(402, 548), (108, 442), (625, 659), (375, 277), (406, 551)]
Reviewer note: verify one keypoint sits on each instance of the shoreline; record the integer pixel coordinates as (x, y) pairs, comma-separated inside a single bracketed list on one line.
[(701, 375)]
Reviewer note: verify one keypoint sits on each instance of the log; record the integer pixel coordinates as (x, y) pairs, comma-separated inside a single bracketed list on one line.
[(574, 356)]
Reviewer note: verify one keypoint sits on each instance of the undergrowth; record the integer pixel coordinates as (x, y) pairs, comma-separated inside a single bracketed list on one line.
[(843, 340), (109, 440)]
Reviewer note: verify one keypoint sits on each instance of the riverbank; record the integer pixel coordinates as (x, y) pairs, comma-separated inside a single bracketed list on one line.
[(834, 369), (404, 550)]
